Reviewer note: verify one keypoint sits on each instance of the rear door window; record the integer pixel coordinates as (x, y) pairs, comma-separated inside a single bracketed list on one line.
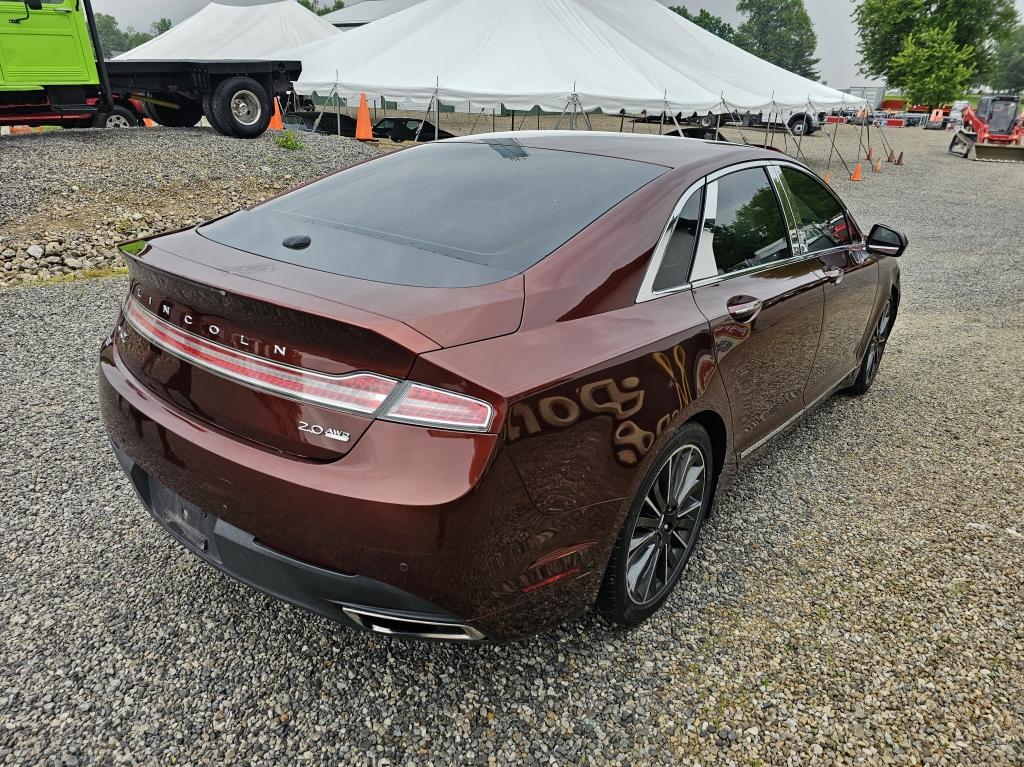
[(745, 226), (821, 220)]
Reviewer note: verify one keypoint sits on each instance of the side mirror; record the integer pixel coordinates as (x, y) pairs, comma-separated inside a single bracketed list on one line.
[(885, 241), (34, 5)]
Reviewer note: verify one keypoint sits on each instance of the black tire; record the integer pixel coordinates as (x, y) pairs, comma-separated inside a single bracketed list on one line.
[(876, 348), (242, 106), (187, 115), (212, 118), (800, 126), (118, 117), (623, 599)]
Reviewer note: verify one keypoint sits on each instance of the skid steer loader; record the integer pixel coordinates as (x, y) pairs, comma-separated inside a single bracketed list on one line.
[(994, 131)]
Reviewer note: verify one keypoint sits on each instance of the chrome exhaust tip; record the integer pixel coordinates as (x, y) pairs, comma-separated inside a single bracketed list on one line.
[(391, 624)]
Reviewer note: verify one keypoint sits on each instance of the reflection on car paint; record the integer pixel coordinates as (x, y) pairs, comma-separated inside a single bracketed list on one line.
[(622, 399)]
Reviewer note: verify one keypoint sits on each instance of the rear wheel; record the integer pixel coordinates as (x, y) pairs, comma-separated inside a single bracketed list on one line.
[(800, 126), (660, 530), (211, 118), (118, 117), (242, 106), (187, 114), (875, 350)]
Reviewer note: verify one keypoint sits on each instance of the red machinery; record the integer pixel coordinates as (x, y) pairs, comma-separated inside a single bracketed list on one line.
[(994, 130)]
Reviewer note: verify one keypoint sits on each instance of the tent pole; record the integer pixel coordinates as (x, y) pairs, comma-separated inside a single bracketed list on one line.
[(473, 129), (416, 138), (494, 125), (437, 113), (558, 124), (316, 122), (586, 117), (674, 120)]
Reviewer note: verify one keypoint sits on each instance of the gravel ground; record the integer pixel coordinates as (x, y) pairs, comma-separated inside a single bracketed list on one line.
[(102, 187), (856, 599)]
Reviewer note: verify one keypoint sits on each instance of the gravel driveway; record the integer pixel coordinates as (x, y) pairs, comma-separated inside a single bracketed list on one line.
[(858, 596)]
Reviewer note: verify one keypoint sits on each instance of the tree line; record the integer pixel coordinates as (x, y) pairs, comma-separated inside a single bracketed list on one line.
[(931, 50)]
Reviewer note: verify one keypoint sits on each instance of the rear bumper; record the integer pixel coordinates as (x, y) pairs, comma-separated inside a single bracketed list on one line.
[(354, 600), (412, 522)]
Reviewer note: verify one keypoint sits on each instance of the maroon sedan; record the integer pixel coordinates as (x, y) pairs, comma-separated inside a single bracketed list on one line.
[(469, 390)]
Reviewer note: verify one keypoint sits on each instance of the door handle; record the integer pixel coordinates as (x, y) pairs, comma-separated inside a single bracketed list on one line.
[(743, 308), (833, 274)]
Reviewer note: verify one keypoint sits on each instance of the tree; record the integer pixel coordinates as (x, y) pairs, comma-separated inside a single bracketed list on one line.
[(884, 26), (779, 31), (320, 7), (113, 39), (159, 26), (716, 25), (1009, 62), (931, 68)]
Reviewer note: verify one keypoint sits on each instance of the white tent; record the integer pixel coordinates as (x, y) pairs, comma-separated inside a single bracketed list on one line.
[(611, 54), (236, 32), (357, 14)]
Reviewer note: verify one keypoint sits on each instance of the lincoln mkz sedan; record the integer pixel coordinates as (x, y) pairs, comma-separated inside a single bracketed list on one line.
[(471, 389)]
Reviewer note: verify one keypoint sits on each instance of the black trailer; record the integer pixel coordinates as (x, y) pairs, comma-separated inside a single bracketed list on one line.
[(236, 97)]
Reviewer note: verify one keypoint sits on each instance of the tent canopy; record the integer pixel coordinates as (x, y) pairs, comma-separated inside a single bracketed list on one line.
[(236, 32), (608, 54), (357, 14)]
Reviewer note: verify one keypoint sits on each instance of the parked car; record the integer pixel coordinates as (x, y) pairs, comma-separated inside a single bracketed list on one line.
[(339, 124), (469, 390)]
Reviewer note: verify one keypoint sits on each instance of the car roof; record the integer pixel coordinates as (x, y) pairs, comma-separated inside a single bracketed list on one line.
[(670, 151)]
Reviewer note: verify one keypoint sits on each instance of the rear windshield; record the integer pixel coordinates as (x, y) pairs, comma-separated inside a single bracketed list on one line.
[(445, 215)]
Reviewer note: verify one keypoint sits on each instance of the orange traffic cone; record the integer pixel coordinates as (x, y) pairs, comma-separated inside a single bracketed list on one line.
[(877, 167), (899, 160), (827, 178), (856, 173), (892, 156), (870, 155), (276, 122), (148, 123), (364, 131)]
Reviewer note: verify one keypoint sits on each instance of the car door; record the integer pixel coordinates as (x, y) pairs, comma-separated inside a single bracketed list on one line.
[(764, 302), (825, 232)]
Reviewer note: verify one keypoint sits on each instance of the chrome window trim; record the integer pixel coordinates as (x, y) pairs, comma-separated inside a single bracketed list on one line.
[(647, 293)]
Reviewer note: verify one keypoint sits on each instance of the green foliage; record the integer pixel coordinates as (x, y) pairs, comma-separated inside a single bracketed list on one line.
[(716, 25), (113, 39), (1009, 62), (779, 31), (932, 68), (320, 7), (288, 140), (885, 25), (160, 26)]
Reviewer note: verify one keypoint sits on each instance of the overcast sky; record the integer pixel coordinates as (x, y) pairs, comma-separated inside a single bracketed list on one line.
[(837, 46)]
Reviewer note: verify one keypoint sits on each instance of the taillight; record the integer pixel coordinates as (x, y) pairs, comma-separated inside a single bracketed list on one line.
[(363, 393), (427, 406)]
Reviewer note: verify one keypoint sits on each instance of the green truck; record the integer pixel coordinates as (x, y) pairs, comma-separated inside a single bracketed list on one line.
[(52, 73)]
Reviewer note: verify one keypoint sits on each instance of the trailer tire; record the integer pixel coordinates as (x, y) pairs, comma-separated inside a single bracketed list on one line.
[(187, 115), (212, 118), (243, 106), (800, 125), (118, 117)]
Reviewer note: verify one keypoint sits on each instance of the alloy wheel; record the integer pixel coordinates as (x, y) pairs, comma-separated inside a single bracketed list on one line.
[(665, 529), (877, 345)]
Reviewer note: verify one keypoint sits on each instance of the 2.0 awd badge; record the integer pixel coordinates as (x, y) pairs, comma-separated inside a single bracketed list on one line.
[(329, 432)]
